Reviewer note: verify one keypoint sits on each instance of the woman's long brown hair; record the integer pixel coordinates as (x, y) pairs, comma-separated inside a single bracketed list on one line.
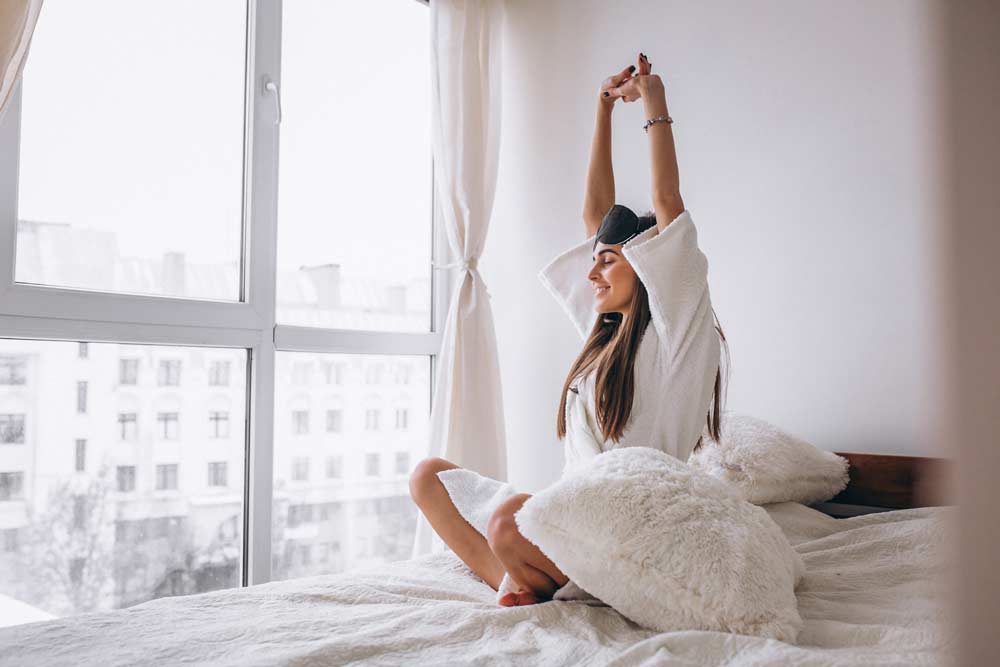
[(610, 351)]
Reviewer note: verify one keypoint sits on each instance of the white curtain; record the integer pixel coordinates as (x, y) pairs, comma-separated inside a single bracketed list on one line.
[(17, 23), (467, 423)]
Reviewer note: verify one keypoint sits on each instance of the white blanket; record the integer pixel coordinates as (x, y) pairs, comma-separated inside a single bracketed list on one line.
[(870, 595)]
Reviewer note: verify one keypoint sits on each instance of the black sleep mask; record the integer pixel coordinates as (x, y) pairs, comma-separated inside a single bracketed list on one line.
[(621, 224)]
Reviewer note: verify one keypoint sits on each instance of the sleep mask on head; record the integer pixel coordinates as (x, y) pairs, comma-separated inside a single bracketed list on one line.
[(620, 224)]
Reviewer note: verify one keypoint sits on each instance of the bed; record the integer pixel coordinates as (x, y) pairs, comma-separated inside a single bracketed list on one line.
[(872, 594)]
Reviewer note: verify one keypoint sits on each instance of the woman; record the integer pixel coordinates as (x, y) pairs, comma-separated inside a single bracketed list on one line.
[(649, 372)]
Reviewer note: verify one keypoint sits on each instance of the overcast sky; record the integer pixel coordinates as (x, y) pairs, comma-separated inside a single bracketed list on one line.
[(132, 122)]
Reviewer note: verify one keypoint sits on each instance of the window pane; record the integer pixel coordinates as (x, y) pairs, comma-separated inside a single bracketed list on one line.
[(131, 177), (121, 483), (341, 497), (354, 204)]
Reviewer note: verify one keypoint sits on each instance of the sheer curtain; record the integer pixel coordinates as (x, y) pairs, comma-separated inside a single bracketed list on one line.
[(467, 423), (17, 23)]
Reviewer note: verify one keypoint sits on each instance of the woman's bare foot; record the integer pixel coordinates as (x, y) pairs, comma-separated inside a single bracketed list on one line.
[(518, 599)]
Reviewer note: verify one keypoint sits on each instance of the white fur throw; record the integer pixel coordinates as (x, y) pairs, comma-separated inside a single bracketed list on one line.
[(667, 546), (768, 465)]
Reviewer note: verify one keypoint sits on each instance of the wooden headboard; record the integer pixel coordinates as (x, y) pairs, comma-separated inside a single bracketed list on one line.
[(881, 482)]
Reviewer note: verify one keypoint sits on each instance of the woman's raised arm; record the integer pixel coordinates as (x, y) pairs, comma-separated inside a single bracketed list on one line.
[(666, 192), (600, 194)]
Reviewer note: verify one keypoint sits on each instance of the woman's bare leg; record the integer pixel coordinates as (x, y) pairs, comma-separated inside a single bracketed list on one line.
[(536, 575), (432, 498)]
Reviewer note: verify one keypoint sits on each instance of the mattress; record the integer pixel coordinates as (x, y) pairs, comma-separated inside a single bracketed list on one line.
[(872, 594)]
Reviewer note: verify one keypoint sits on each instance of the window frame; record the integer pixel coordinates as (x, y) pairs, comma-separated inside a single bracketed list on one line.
[(70, 314)]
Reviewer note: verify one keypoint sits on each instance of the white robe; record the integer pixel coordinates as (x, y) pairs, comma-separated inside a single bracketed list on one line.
[(675, 367)]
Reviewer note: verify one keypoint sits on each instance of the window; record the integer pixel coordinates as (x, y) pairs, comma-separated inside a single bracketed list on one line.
[(373, 374), (79, 512), (218, 374), (126, 479), (402, 463), (400, 418), (81, 396), (12, 429), (10, 542), (166, 477), (13, 370), (168, 425), (301, 373), (125, 214), (128, 371), (218, 424), (80, 460), (371, 419), (333, 467), (334, 421), (82, 350), (371, 463), (11, 485), (402, 374), (217, 473), (300, 468), (169, 374), (300, 422), (128, 426)]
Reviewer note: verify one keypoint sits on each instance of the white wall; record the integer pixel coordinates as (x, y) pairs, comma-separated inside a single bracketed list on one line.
[(807, 136)]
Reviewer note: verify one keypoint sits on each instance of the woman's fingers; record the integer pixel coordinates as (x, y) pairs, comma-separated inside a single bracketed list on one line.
[(645, 67)]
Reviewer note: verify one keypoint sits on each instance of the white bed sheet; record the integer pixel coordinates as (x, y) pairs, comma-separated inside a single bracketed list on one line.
[(871, 595)]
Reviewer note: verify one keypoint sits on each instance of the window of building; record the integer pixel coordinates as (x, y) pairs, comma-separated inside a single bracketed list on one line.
[(126, 479), (12, 429), (333, 470), (79, 512), (373, 374), (128, 426), (401, 419), (402, 463), (300, 422), (9, 541), (371, 463), (82, 350), (13, 370), (169, 373), (80, 460), (217, 471), (128, 371), (81, 396), (371, 419), (218, 373), (334, 421), (11, 485), (166, 477), (300, 468), (301, 373), (218, 424), (168, 425)]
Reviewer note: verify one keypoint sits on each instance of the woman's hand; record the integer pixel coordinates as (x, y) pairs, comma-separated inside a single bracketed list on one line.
[(643, 83), (613, 82)]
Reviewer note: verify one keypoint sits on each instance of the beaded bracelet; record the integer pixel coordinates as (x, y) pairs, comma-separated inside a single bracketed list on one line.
[(658, 119)]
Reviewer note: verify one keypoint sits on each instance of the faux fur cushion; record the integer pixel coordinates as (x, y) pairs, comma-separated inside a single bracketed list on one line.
[(768, 465), (669, 547)]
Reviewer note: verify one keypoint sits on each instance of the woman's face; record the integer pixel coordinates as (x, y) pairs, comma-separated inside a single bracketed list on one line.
[(612, 278)]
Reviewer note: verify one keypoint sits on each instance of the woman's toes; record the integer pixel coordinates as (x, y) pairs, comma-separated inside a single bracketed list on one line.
[(508, 599), (524, 598)]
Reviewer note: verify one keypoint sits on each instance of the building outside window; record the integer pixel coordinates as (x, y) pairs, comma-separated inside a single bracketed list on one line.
[(300, 422), (168, 425), (12, 429), (10, 541), (301, 373), (300, 468), (128, 371), (128, 426), (126, 479), (13, 370), (166, 477), (333, 470), (80, 460), (218, 373), (372, 464), (402, 463), (334, 421), (82, 350), (217, 473), (218, 424), (81, 396), (169, 373), (371, 419), (401, 418)]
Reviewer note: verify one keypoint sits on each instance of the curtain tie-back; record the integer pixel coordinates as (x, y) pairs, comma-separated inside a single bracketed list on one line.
[(471, 265)]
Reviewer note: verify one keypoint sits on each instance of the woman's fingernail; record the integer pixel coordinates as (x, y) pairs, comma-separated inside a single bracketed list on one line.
[(605, 93), (631, 68)]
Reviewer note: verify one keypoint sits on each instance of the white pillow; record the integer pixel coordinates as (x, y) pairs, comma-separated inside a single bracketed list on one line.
[(667, 546), (768, 465)]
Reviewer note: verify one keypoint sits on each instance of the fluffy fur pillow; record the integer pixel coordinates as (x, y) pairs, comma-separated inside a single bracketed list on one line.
[(669, 547), (768, 465)]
